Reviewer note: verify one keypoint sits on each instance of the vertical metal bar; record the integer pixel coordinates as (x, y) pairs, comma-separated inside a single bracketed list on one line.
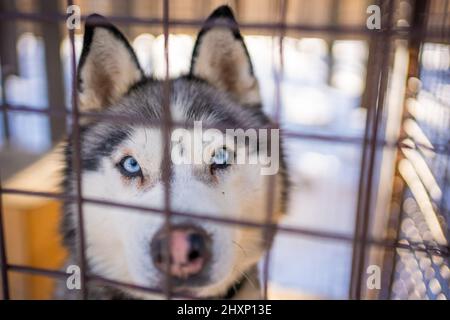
[(6, 128), (166, 130), (124, 8), (270, 228), (333, 17), (8, 36), (3, 258), (4, 52), (77, 164), (373, 124), (361, 193), (368, 98), (376, 126), (53, 66), (5, 120), (8, 57)]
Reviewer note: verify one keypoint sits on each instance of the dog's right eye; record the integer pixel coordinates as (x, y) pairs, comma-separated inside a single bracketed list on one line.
[(221, 159), (129, 167)]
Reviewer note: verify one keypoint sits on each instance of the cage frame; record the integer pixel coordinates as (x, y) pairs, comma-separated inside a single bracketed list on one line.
[(370, 144)]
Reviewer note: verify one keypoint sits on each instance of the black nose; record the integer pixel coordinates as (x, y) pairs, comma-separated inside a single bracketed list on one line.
[(185, 249)]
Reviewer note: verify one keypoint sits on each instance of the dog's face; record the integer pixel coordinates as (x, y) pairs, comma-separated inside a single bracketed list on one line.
[(124, 162)]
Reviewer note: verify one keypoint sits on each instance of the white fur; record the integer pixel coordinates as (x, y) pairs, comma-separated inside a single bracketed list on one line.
[(118, 239)]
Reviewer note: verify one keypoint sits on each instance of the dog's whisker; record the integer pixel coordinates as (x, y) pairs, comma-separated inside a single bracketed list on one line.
[(246, 276), (239, 246), (249, 280), (248, 249)]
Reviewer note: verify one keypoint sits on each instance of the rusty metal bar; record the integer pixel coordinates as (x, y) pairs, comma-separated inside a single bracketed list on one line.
[(166, 130), (361, 186), (54, 69), (270, 229), (438, 147), (370, 143), (105, 281), (401, 32), (3, 258), (373, 124), (369, 97), (76, 163), (5, 120), (8, 38), (57, 274), (377, 126), (425, 247)]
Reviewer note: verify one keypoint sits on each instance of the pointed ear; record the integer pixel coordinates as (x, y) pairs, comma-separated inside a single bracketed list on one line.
[(108, 65), (221, 58)]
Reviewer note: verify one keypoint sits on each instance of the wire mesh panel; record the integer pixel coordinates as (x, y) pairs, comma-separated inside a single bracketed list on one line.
[(414, 233), (425, 212)]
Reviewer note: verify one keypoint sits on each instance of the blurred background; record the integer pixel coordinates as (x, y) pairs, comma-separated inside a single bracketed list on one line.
[(366, 116)]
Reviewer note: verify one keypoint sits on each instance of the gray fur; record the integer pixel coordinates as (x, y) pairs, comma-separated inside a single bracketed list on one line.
[(143, 105)]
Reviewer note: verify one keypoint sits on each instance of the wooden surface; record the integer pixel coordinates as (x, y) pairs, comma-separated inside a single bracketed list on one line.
[(33, 240), (31, 224)]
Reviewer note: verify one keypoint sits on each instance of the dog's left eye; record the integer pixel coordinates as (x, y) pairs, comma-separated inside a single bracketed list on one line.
[(130, 167), (221, 159)]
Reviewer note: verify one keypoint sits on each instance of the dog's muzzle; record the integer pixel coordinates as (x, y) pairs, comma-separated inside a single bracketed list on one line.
[(184, 252)]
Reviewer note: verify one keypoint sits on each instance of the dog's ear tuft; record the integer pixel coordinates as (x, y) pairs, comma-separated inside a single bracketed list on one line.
[(108, 66), (221, 58)]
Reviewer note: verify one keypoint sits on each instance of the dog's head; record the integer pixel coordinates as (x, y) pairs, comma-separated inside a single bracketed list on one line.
[(124, 161)]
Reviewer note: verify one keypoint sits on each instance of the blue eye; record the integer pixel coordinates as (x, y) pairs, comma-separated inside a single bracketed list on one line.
[(221, 156), (220, 160), (130, 167)]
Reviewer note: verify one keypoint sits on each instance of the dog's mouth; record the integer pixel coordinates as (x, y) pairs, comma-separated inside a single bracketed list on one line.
[(192, 292), (199, 286), (189, 292), (188, 285)]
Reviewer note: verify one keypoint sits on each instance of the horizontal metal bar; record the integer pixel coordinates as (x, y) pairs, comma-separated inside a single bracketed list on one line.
[(37, 271), (438, 147), (58, 274), (361, 30), (115, 283), (412, 246)]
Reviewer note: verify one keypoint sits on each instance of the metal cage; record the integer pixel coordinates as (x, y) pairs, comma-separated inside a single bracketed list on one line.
[(415, 263)]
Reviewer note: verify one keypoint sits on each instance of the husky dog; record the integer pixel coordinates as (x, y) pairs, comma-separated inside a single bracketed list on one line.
[(124, 162)]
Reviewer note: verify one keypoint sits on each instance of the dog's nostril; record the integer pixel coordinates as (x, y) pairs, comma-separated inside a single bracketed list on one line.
[(197, 246), (194, 254)]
